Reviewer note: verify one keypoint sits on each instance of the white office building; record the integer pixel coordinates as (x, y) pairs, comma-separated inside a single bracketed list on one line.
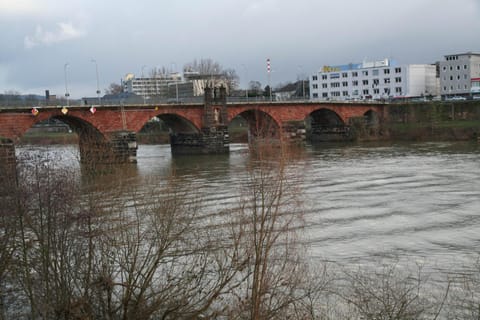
[(460, 74), (172, 85), (382, 79), (151, 86)]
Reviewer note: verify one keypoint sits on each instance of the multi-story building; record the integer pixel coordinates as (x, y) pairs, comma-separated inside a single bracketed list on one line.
[(152, 86), (460, 74), (374, 80), (172, 85)]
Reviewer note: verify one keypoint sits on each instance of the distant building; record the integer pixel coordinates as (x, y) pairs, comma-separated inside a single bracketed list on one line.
[(460, 74), (172, 85), (381, 79), (152, 86), (297, 90)]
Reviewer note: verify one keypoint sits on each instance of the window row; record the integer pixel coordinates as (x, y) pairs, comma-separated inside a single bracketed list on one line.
[(355, 83), (354, 74), (451, 68), (459, 87), (386, 91), (458, 77)]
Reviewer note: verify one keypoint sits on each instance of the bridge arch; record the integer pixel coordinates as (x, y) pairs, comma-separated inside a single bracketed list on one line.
[(174, 122), (327, 125), (371, 118), (261, 125), (92, 143), (326, 117)]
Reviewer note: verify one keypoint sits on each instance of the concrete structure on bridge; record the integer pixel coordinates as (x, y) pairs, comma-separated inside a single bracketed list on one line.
[(108, 133)]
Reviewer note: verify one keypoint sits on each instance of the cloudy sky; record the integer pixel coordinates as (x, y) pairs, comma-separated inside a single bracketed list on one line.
[(40, 36)]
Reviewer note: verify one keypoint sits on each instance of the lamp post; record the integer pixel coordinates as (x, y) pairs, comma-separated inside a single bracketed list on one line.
[(246, 78), (176, 80), (67, 95), (269, 78), (300, 68), (98, 83), (144, 86)]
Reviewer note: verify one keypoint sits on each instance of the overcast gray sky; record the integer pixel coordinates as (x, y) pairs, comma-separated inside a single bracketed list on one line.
[(40, 36)]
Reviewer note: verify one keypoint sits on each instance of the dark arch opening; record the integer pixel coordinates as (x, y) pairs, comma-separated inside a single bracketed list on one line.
[(371, 118), (50, 131), (257, 124), (159, 129), (64, 129), (326, 125), (326, 117)]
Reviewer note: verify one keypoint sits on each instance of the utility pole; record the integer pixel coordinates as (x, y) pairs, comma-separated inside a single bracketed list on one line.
[(269, 78)]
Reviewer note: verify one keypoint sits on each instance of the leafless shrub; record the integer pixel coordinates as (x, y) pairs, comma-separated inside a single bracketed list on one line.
[(388, 292), (268, 218), (464, 298)]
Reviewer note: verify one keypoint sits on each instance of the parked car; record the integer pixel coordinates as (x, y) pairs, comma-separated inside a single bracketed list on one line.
[(456, 98)]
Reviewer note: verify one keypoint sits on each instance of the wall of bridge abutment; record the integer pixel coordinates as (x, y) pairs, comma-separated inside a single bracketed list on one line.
[(213, 140), (119, 147), (7, 166), (293, 132)]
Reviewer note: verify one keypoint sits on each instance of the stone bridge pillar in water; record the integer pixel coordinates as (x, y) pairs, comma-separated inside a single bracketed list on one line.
[(120, 147), (8, 164), (124, 145), (214, 137), (294, 132)]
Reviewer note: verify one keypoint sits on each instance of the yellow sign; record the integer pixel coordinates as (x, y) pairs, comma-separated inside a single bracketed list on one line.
[(330, 69)]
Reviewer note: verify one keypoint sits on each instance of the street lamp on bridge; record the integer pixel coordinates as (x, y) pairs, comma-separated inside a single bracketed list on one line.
[(67, 95), (302, 75), (144, 84), (246, 78), (98, 83)]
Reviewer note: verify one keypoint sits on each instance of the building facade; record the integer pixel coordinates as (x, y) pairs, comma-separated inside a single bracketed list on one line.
[(151, 86), (381, 79), (172, 85), (460, 74)]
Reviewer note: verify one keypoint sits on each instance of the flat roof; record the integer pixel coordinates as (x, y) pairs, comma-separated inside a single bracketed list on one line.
[(463, 54)]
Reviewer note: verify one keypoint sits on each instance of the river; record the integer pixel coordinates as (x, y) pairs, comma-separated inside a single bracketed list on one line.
[(417, 202)]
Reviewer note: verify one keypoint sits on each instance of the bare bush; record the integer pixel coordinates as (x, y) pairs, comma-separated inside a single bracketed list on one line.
[(388, 292), (268, 219), (162, 263), (464, 298)]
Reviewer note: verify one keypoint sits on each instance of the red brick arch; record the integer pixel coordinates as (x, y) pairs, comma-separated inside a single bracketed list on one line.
[(109, 119), (284, 112)]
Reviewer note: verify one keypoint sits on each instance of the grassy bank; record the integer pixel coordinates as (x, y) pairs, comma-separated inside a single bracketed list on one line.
[(445, 130), (49, 138)]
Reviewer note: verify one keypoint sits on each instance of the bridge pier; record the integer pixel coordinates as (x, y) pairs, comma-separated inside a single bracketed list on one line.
[(8, 164), (213, 137), (124, 145), (212, 140), (327, 133), (120, 148), (294, 132)]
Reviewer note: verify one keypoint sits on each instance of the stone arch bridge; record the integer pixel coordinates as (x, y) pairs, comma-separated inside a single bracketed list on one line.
[(111, 130)]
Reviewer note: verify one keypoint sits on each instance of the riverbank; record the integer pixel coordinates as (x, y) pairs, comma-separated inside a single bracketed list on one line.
[(426, 121), (43, 138)]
